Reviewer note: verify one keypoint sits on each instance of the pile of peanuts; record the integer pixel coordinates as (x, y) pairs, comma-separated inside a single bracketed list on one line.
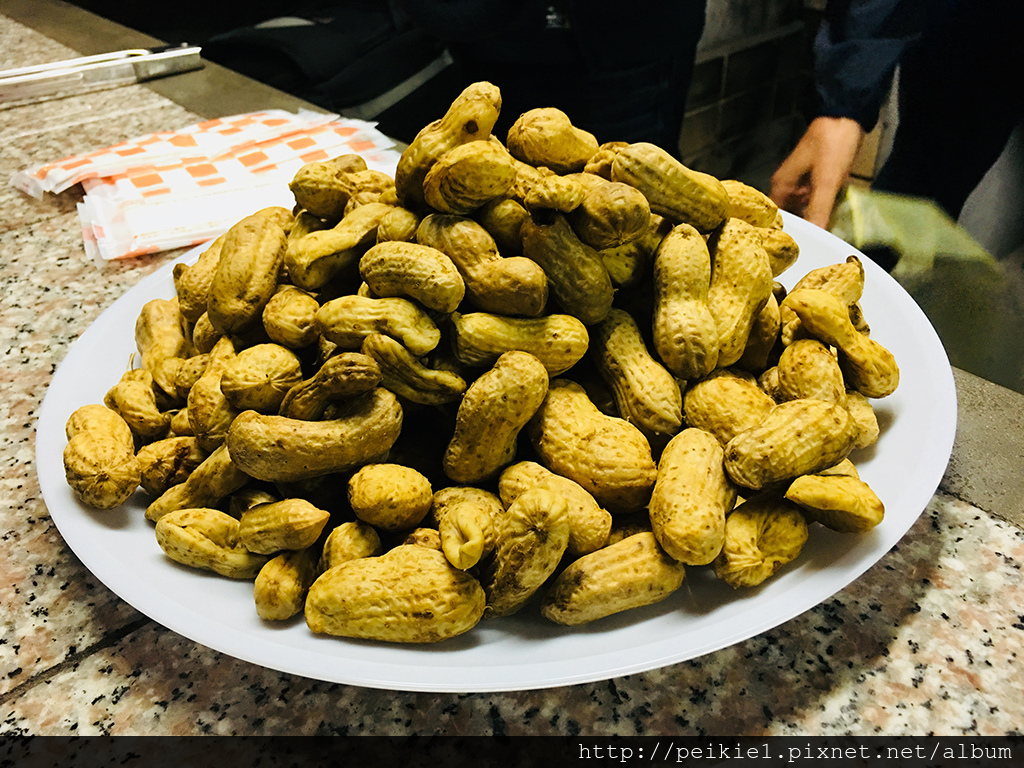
[(540, 367)]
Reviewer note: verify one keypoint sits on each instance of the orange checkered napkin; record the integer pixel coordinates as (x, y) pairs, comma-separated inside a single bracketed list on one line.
[(208, 140), (186, 187)]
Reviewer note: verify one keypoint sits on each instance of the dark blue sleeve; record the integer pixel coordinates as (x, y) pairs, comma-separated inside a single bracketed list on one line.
[(857, 48)]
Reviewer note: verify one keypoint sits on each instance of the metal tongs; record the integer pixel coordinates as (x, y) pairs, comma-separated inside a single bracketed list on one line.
[(106, 69)]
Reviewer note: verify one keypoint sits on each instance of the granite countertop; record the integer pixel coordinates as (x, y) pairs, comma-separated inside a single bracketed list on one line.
[(929, 640)]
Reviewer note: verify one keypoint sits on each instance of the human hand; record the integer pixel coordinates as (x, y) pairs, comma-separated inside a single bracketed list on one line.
[(808, 181)]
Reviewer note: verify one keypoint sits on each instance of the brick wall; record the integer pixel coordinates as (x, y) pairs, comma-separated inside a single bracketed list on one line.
[(751, 85)]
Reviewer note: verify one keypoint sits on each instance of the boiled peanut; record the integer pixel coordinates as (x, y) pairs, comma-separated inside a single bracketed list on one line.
[(407, 377), (532, 537), (260, 376), (741, 283), (761, 535), (391, 497), (589, 524), (280, 449), (577, 276), (214, 479), (208, 539), (290, 317), (348, 320), (99, 458), (840, 502), (646, 393), (725, 403), (292, 524), (794, 438), (685, 333), (867, 366), (691, 498), (467, 176), (558, 341), (607, 455), (508, 286), (349, 541), (545, 136), (491, 414), (410, 594), (282, 583), (343, 376), (466, 520), (631, 573), (413, 271), (167, 462), (471, 116)]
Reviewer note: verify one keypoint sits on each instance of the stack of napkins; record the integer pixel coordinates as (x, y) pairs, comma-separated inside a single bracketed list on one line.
[(176, 189)]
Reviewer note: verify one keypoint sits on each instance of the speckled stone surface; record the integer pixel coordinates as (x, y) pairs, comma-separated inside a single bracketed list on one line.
[(928, 640)]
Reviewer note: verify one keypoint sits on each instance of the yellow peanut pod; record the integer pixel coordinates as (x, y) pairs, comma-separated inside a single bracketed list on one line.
[(315, 258), (589, 523), (470, 117), (577, 276), (324, 187), (404, 374), (512, 285), (290, 317), (553, 193), (840, 502), (741, 283), (391, 497), (410, 594), (863, 415), (161, 340), (558, 341), (467, 176), (611, 213), (631, 573), (762, 534), (646, 393), (750, 204), (674, 191), (844, 280), (466, 520), (685, 333), (398, 225), (134, 397), (282, 583), (606, 455), (207, 539), (503, 218), (292, 524), (216, 478), (260, 376), (247, 273), (807, 368), (341, 377), (347, 320), (545, 136), (99, 458), (725, 403), (167, 462), (491, 414), (867, 366), (413, 271), (794, 438), (533, 534), (279, 449), (349, 541), (691, 497), (764, 335)]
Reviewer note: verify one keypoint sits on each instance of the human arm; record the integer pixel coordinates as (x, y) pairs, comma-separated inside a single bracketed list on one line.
[(856, 51)]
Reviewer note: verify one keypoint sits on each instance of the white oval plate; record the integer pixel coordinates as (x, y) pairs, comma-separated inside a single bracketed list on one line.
[(525, 651)]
